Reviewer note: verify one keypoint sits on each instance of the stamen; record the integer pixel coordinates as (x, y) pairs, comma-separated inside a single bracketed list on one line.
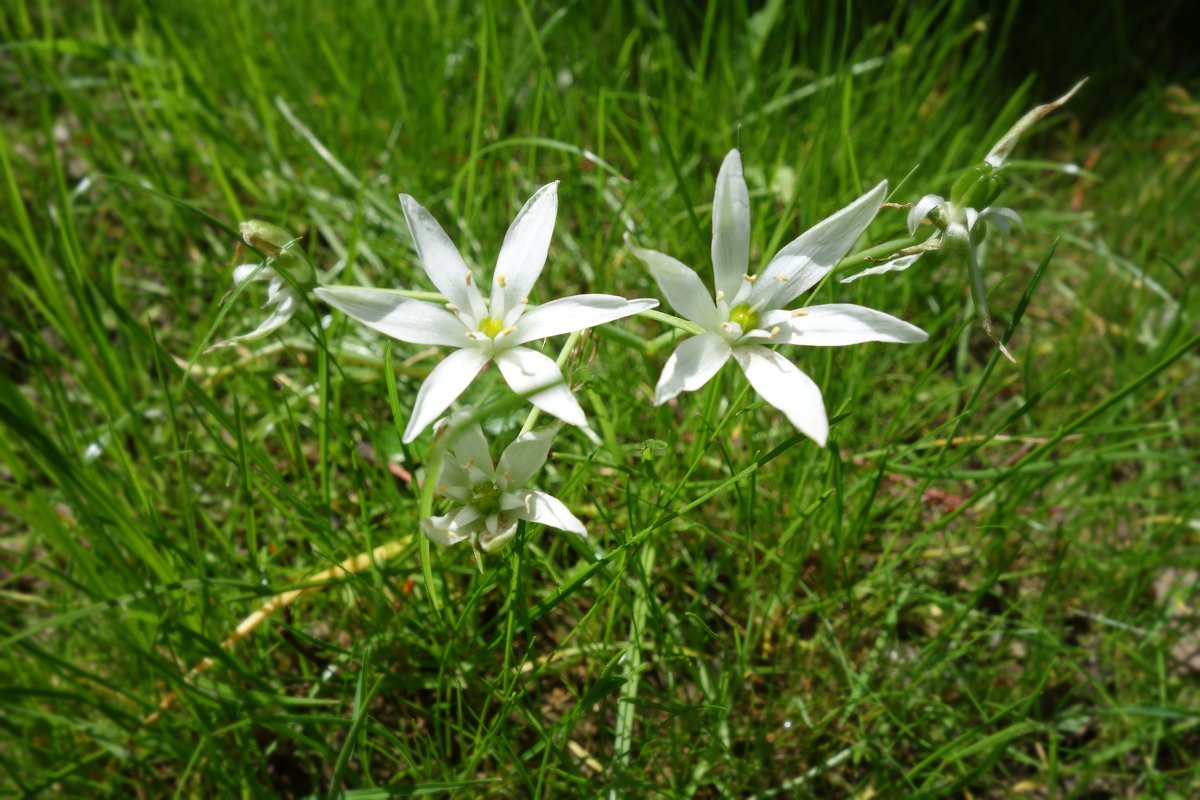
[(750, 278), (799, 312), (720, 295), (468, 279), (501, 282)]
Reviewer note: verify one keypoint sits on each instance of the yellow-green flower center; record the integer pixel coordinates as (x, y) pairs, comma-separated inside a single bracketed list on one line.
[(490, 327), (486, 498), (745, 317)]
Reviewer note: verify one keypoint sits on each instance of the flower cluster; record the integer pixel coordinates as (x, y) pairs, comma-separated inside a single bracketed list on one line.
[(745, 316)]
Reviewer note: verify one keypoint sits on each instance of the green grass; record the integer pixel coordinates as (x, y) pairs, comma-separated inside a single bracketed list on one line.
[(984, 586)]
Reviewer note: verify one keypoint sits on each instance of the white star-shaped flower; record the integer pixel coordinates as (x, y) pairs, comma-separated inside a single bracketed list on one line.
[(284, 255), (488, 498), (483, 331), (748, 313)]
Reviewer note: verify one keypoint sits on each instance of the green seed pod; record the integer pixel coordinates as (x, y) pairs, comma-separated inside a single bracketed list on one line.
[(745, 317), (283, 248), (976, 187)]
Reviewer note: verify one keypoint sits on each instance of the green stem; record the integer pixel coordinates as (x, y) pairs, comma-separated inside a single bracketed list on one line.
[(673, 321), (433, 470), (513, 588), (878, 251)]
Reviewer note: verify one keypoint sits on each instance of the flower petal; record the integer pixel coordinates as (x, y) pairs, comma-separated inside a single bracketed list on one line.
[(471, 448), (510, 501), (464, 517), (682, 287), (1002, 218), (440, 530), (999, 153), (895, 265), (957, 236), (921, 210), (546, 509), (530, 373), (441, 260), (245, 272), (447, 381), (286, 302), (525, 456), (497, 537), (800, 265), (453, 481), (402, 318), (784, 386), (523, 253), (731, 226), (838, 324), (692, 365), (575, 313)]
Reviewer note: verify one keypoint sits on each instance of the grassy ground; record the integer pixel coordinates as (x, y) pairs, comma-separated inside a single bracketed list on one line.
[(985, 586)]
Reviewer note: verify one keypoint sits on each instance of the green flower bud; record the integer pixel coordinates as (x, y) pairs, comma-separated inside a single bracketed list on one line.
[(282, 248), (977, 187)]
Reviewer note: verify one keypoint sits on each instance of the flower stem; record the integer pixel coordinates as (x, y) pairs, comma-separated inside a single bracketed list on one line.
[(433, 469), (878, 251), (673, 321)]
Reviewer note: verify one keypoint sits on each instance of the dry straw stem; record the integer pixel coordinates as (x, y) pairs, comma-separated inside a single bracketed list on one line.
[(314, 583)]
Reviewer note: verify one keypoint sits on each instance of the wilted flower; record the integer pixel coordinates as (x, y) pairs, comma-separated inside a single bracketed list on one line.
[(960, 226), (488, 498), (962, 222), (285, 257), (748, 311), (482, 330)]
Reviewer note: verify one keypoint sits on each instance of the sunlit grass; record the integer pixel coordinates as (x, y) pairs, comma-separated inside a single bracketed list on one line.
[(981, 586)]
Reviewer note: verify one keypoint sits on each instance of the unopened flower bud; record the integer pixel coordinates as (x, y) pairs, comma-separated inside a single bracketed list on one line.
[(281, 246), (977, 187)]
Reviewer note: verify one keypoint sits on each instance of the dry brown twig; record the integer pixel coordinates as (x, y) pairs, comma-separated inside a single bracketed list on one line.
[(314, 583)]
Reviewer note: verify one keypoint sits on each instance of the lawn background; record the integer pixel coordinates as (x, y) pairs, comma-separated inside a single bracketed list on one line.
[(984, 586)]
